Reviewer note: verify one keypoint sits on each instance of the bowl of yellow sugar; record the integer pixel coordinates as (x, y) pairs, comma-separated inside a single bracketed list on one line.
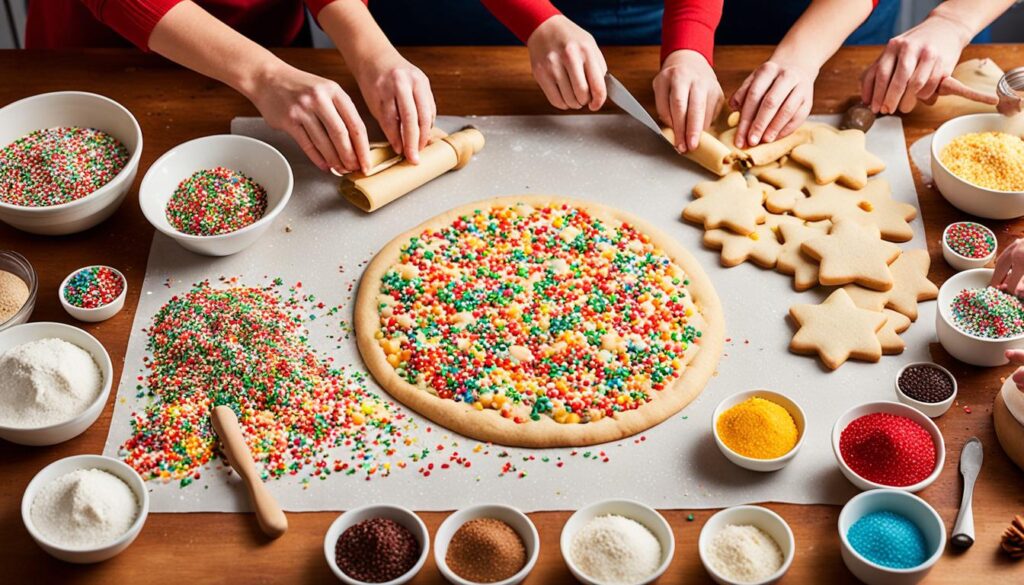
[(760, 430), (978, 164)]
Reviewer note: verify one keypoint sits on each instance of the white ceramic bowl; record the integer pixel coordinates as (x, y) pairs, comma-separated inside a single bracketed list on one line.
[(895, 408), (71, 108), (251, 157), (97, 314), (633, 510), (19, 266), (749, 462), (60, 432), (971, 349), (763, 518), (519, 522), (67, 465), (962, 194), (960, 262), (929, 409), (398, 514), (912, 507)]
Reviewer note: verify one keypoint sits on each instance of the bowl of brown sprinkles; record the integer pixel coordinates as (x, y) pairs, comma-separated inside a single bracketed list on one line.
[(929, 388), (486, 544), (376, 544)]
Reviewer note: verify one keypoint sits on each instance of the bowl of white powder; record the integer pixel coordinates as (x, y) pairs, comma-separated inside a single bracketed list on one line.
[(54, 382), (86, 508), (746, 545)]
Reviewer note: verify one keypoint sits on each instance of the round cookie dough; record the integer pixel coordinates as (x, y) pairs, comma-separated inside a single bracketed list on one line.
[(539, 321)]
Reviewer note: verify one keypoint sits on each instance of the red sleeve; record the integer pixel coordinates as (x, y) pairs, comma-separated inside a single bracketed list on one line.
[(690, 24), (315, 6), (132, 19), (522, 17)]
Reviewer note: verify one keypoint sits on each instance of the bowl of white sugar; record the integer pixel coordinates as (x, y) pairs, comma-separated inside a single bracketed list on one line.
[(746, 545), (54, 382), (86, 508)]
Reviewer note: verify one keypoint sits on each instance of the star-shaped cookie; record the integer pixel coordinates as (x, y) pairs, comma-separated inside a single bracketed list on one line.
[(732, 202), (889, 334), (788, 175), (781, 200), (853, 252), (837, 330), (761, 246), (910, 286), (838, 156), (873, 204), (791, 260)]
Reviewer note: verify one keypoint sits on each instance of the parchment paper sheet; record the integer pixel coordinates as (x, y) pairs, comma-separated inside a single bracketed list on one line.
[(605, 158)]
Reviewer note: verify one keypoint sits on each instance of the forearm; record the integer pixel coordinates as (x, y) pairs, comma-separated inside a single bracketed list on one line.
[(820, 31), (354, 31), (970, 15)]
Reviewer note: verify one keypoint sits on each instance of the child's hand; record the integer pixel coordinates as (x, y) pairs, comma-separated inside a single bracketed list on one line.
[(399, 97), (567, 64), (1016, 356), (688, 96), (1009, 273), (773, 101)]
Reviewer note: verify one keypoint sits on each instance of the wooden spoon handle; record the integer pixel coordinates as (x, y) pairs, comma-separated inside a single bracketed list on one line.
[(271, 518)]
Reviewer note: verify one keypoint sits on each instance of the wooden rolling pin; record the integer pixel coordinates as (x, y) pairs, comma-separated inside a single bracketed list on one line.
[(271, 518)]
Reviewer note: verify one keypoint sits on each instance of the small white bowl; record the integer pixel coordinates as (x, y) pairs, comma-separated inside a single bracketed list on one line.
[(519, 522), (967, 196), (253, 158), (763, 518), (398, 514), (97, 314), (645, 515), (929, 409), (67, 465), (898, 409), (900, 502), (63, 431), (960, 262), (971, 349), (19, 266), (71, 108), (749, 462)]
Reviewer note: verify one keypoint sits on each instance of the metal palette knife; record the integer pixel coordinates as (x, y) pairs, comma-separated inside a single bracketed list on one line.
[(621, 97)]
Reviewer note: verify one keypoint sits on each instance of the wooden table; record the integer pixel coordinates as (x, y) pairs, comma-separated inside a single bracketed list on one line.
[(174, 105)]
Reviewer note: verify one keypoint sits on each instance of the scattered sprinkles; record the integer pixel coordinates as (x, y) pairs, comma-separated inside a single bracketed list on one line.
[(93, 287), (971, 240), (58, 165), (216, 201), (988, 312), (888, 449)]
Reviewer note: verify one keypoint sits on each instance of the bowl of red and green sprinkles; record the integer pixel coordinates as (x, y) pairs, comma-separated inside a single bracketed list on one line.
[(967, 245), (216, 195), (67, 160), (976, 323), (93, 293)]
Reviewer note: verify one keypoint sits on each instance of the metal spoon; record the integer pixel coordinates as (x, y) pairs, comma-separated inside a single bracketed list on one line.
[(970, 464)]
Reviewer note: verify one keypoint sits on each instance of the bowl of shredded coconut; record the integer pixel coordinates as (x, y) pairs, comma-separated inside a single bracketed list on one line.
[(54, 382)]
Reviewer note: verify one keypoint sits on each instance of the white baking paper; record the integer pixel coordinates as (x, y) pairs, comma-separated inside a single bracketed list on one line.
[(605, 158)]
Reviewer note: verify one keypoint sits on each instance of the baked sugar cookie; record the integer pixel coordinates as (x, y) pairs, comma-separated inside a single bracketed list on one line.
[(838, 155), (889, 334), (910, 286), (873, 204), (788, 175), (837, 330), (853, 252), (732, 202), (781, 200), (760, 246), (792, 261)]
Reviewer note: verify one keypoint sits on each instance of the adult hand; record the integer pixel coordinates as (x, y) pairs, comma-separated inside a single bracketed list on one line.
[(1009, 273), (773, 101), (688, 96), (1016, 356), (567, 64), (399, 97), (317, 114)]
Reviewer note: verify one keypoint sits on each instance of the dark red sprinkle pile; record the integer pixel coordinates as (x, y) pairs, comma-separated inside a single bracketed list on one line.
[(888, 449), (376, 550), (925, 384)]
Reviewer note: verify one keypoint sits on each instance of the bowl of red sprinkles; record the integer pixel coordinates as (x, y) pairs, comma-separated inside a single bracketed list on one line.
[(888, 445), (967, 245), (216, 195), (377, 544), (67, 160), (93, 293), (976, 323)]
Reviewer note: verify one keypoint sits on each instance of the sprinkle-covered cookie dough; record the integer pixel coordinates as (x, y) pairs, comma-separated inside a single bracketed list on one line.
[(58, 165), (988, 312), (216, 201), (93, 287), (970, 239)]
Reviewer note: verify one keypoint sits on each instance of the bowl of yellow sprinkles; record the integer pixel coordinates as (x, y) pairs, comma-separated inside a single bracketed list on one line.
[(760, 430), (978, 165)]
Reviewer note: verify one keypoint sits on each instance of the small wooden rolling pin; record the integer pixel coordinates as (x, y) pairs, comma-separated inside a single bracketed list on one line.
[(271, 518)]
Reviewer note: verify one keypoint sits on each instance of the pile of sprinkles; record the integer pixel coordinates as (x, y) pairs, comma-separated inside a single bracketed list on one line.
[(888, 449), (58, 165), (93, 287), (988, 312), (970, 240), (538, 312), (216, 201)]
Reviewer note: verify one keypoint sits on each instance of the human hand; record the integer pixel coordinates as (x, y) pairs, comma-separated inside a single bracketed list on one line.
[(398, 95), (688, 96), (1008, 275), (773, 101), (1016, 356), (316, 113), (567, 64)]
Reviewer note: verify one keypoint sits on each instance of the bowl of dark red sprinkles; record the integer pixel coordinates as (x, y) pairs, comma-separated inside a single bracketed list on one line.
[(927, 387), (93, 293), (377, 544), (888, 445)]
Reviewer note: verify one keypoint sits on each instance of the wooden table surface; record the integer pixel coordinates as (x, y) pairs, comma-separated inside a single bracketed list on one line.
[(174, 105)]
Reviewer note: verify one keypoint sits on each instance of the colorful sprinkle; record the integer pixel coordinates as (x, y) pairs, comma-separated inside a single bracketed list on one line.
[(970, 239), (93, 287), (888, 539), (888, 449), (58, 165), (216, 201), (988, 312)]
